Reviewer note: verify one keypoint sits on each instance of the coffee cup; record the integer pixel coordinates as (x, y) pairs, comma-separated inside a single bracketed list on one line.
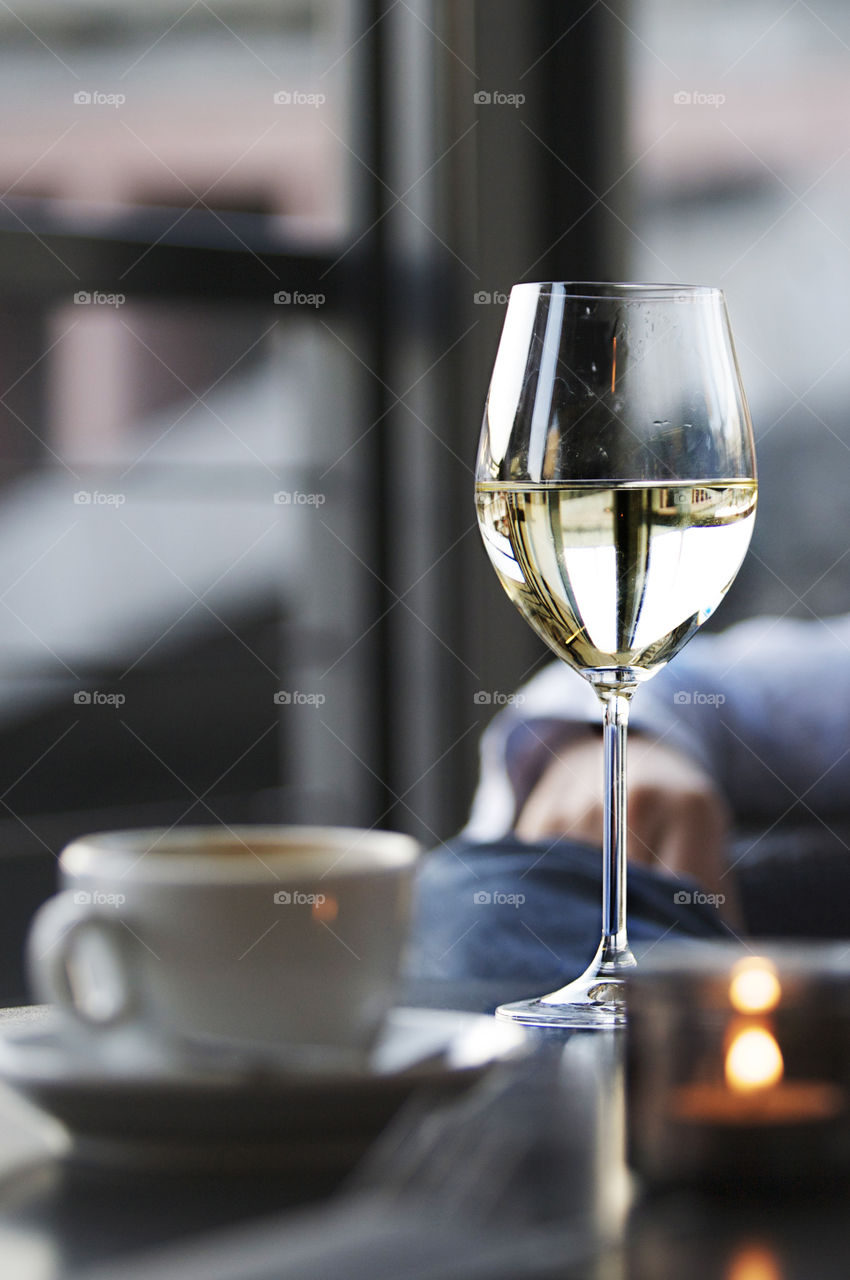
[(281, 944)]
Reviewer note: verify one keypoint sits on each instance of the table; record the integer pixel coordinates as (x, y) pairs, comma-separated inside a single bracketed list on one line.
[(56, 1223)]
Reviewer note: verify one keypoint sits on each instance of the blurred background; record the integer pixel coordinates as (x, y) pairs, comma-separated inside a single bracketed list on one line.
[(254, 256)]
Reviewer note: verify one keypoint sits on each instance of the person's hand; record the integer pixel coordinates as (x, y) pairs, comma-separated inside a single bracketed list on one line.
[(677, 819)]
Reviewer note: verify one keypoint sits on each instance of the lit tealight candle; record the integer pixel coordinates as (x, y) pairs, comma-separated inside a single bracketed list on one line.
[(753, 1060), (739, 1066), (755, 987), (754, 1262), (755, 1092)]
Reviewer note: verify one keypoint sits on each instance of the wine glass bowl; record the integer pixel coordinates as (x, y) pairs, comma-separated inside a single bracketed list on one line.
[(616, 495)]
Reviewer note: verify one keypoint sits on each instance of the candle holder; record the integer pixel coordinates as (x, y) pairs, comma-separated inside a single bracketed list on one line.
[(738, 1064)]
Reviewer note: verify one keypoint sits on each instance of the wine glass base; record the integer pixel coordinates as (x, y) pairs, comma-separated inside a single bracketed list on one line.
[(589, 1003)]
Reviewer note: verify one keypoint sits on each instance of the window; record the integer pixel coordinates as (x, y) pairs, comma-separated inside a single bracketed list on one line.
[(279, 302), (738, 122)]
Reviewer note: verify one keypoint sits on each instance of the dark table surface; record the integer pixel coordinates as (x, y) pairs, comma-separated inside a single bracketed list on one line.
[(60, 1221)]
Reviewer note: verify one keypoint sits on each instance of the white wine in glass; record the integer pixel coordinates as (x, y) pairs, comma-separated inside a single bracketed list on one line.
[(616, 495)]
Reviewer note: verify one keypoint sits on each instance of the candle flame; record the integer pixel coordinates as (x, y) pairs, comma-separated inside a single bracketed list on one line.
[(753, 1061), (325, 908), (754, 1262), (755, 987)]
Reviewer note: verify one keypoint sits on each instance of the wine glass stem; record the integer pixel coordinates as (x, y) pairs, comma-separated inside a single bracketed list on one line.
[(615, 953)]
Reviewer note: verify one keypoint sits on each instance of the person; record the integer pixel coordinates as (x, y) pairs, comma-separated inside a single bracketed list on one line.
[(739, 799)]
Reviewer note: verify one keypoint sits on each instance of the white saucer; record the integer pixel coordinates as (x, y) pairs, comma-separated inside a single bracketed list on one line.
[(231, 1120)]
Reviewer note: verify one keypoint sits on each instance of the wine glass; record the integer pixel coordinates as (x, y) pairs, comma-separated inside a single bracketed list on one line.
[(616, 495)]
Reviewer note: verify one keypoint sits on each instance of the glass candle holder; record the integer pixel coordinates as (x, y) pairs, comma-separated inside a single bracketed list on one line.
[(738, 1064)]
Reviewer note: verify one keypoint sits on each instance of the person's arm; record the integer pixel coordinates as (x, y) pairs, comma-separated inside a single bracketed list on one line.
[(543, 715), (554, 711), (760, 709), (678, 820), (767, 702)]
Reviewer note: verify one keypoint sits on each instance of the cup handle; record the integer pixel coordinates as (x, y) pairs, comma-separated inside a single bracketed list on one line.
[(57, 924)]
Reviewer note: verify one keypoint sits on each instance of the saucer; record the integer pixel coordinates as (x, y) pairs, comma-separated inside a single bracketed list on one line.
[(225, 1119)]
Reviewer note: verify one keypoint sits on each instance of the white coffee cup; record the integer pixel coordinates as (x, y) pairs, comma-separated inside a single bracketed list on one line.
[(279, 942)]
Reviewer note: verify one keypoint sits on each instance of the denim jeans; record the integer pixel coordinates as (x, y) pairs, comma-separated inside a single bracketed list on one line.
[(531, 912)]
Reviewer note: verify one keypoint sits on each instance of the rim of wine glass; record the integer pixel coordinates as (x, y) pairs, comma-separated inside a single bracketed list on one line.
[(621, 289)]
